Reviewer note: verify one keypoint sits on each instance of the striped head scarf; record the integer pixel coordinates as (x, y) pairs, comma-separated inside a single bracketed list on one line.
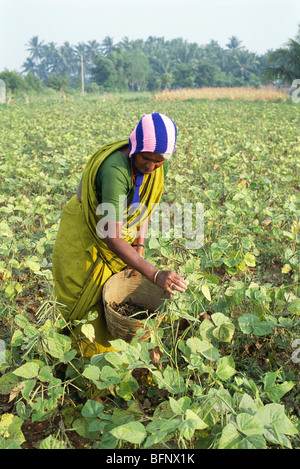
[(155, 133)]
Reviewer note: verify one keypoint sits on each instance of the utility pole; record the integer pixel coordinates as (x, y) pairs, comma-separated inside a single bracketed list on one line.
[(82, 76)]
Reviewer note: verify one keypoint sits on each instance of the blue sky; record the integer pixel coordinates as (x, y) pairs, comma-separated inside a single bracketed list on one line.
[(260, 24)]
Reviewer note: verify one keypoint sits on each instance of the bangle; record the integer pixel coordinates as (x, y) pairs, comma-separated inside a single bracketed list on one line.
[(134, 245), (155, 276)]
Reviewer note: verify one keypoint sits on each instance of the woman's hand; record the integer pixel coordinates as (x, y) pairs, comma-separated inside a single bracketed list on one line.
[(170, 281), (132, 257)]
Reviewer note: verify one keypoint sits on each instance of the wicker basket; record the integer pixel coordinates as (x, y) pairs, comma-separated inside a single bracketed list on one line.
[(137, 290)]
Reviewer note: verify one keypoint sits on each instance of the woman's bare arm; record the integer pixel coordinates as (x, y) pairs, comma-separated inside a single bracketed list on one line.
[(165, 279)]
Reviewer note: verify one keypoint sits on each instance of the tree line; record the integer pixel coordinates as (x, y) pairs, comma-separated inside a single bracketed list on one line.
[(152, 64)]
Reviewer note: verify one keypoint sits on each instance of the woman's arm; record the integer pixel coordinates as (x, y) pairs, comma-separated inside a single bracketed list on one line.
[(139, 241), (167, 280)]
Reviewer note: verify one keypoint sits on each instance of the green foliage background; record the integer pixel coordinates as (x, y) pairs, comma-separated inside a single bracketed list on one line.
[(150, 65)]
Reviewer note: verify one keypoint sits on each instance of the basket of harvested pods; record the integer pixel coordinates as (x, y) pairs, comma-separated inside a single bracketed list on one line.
[(129, 302)]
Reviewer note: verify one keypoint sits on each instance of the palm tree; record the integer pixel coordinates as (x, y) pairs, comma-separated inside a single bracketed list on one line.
[(107, 45), (92, 48), (66, 65), (284, 63), (241, 63), (213, 52), (35, 48), (81, 49), (50, 60), (234, 44), (125, 43), (29, 66)]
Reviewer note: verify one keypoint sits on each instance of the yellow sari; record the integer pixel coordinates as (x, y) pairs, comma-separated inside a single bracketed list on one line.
[(82, 262)]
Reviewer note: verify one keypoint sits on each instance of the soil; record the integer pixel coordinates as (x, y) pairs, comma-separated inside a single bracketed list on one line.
[(129, 309)]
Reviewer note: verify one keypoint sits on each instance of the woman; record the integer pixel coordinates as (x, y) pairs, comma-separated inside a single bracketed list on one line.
[(103, 228)]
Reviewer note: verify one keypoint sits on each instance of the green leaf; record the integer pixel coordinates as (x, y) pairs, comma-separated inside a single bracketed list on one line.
[(5, 230), (57, 345), (81, 426), (169, 379), (92, 409), (108, 441), (156, 438), (248, 405), (224, 332), (273, 390), (134, 432), (68, 356), (153, 243), (9, 291), (115, 359), (249, 323), (28, 387), (98, 425), (193, 344), (187, 429), (89, 331), (28, 371), (249, 424), (21, 321), (190, 424), (17, 338), (23, 410), (208, 350), (163, 425), (119, 345), (181, 405), (225, 368), (127, 387), (197, 421), (206, 292), (33, 265), (91, 372), (7, 382), (109, 376), (231, 438), (52, 443), (274, 418), (294, 307), (10, 430), (225, 328), (206, 329), (249, 259), (46, 374)]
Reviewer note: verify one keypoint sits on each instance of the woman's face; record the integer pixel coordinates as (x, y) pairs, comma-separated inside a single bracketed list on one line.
[(146, 162)]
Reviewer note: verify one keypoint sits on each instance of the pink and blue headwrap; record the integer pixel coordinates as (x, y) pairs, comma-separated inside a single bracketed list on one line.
[(155, 133)]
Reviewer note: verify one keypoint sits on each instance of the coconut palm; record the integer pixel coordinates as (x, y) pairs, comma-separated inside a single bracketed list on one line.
[(35, 48), (50, 60), (234, 44), (284, 63), (92, 48), (29, 66), (107, 45), (241, 63)]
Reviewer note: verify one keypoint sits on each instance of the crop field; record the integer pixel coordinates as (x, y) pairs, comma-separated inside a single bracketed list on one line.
[(222, 370)]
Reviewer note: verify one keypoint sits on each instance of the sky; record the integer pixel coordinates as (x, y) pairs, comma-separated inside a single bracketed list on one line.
[(261, 25)]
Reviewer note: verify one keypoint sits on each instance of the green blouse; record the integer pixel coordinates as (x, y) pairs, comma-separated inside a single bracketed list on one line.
[(114, 180)]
